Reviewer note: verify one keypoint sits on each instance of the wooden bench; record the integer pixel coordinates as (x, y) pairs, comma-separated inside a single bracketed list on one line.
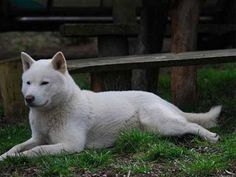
[(10, 71), (148, 61)]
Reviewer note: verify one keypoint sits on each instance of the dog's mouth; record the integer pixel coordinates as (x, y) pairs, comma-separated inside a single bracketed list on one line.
[(41, 105)]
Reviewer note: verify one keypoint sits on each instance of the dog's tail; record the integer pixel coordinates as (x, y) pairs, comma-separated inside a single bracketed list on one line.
[(207, 120)]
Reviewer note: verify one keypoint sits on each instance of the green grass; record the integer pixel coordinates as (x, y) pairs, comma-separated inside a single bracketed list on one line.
[(134, 141), (203, 165), (82, 80), (11, 135), (143, 153), (164, 150), (200, 159), (220, 158), (66, 165)]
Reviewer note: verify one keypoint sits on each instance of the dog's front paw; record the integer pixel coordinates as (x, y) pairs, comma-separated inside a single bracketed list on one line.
[(1, 158), (215, 138)]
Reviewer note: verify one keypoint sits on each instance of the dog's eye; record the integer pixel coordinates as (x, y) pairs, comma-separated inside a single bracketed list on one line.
[(44, 83), (28, 83)]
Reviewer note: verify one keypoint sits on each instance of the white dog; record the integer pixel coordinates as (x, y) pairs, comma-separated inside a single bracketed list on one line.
[(64, 118)]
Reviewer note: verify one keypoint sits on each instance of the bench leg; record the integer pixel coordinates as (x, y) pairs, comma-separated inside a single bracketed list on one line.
[(96, 82)]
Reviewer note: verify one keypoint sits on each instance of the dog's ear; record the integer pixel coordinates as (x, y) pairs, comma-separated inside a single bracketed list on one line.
[(27, 61), (59, 62)]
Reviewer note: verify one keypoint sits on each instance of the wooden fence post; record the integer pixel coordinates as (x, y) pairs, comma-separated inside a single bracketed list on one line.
[(152, 27), (114, 46), (184, 21), (10, 83), (123, 13)]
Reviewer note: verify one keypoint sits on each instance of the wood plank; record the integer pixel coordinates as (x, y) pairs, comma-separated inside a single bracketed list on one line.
[(148, 60), (76, 3), (10, 81), (217, 29), (108, 3), (87, 3), (131, 29), (152, 60)]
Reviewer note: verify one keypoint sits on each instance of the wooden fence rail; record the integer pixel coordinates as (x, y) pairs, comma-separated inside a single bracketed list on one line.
[(152, 60)]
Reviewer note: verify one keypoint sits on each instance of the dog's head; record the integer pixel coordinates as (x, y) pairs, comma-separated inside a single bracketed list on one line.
[(44, 81)]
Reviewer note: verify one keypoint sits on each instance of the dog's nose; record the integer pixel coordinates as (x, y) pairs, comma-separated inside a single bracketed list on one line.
[(29, 98)]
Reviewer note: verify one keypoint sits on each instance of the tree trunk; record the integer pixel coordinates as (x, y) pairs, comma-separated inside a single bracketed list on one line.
[(184, 21)]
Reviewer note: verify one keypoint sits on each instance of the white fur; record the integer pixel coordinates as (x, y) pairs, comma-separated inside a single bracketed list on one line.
[(65, 118)]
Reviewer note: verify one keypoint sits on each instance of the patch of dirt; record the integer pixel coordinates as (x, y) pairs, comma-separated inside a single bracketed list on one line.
[(21, 172)]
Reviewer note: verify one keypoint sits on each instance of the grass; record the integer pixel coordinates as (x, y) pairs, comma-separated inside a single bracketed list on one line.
[(164, 150), (11, 135), (134, 141), (208, 163), (66, 165), (142, 153)]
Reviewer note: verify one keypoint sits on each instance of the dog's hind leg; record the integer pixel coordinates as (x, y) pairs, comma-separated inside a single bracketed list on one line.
[(207, 120), (196, 129), (169, 123)]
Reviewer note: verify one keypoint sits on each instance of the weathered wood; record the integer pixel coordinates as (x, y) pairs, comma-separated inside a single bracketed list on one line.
[(69, 30), (123, 13), (86, 3), (229, 17), (152, 27), (152, 60), (216, 29), (76, 3), (10, 83), (184, 21), (113, 80), (109, 3), (153, 21), (213, 29), (96, 82)]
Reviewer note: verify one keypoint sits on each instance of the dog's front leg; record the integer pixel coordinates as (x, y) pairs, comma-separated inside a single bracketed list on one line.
[(51, 150), (29, 144)]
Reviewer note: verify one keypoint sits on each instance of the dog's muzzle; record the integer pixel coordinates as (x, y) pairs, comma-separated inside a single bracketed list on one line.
[(29, 99)]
